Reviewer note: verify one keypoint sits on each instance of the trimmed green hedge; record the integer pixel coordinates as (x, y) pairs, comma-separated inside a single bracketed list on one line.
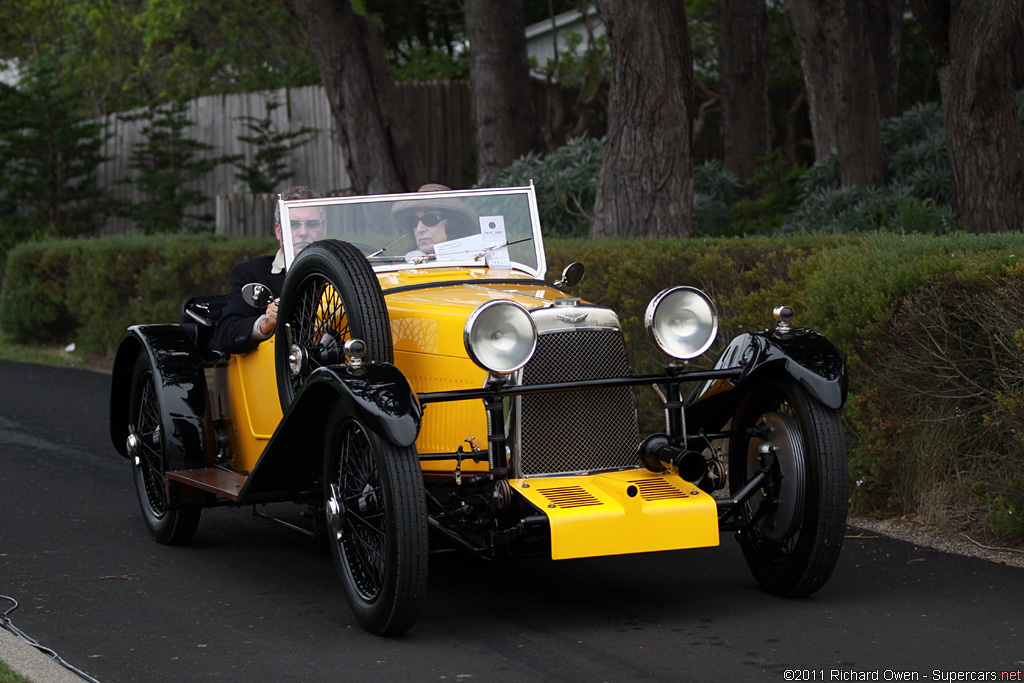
[(932, 329), (89, 291)]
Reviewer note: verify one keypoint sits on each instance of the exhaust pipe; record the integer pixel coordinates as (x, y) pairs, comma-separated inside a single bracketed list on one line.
[(658, 454)]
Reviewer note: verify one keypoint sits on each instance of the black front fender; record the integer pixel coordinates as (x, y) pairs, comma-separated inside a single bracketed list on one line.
[(181, 391), (377, 394), (803, 354)]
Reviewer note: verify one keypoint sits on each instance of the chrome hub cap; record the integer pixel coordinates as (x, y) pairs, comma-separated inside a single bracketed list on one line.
[(334, 511)]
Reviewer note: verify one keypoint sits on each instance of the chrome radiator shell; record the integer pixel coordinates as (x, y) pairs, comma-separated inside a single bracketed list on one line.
[(589, 430)]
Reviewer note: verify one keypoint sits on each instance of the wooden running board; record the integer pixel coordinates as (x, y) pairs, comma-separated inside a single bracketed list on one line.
[(210, 479)]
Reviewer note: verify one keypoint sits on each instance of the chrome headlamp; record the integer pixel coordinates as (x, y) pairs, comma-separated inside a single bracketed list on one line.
[(500, 336), (681, 322)]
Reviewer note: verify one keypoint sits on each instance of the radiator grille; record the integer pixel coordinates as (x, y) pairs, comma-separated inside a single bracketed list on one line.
[(575, 431)]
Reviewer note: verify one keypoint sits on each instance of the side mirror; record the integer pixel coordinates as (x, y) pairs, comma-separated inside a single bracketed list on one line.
[(257, 295), (572, 275)]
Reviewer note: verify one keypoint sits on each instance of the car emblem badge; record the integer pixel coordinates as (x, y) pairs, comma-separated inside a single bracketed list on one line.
[(572, 318)]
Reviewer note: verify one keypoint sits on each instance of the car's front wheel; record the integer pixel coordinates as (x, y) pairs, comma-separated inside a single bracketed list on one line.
[(800, 516), (146, 434), (377, 525)]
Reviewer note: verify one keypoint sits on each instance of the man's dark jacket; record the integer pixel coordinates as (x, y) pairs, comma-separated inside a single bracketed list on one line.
[(232, 335)]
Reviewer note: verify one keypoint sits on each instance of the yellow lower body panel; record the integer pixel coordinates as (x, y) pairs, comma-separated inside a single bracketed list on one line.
[(614, 513)]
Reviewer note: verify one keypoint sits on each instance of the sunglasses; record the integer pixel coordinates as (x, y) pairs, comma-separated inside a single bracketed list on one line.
[(429, 219)]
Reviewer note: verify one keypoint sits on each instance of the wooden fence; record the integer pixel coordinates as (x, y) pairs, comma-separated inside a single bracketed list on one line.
[(245, 214), (439, 115)]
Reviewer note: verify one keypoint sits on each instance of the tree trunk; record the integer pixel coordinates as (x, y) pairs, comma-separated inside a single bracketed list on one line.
[(376, 146), (646, 182), (742, 62), (503, 110), (843, 84), (972, 44), (859, 121), (885, 33), (816, 60)]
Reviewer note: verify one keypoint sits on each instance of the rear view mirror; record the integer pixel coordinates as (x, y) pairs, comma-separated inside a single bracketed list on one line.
[(572, 275), (257, 295)]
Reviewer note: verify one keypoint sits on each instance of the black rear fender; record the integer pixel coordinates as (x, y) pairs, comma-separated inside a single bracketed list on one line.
[(181, 393)]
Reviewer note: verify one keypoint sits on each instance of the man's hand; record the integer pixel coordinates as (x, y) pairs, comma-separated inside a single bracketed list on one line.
[(269, 320)]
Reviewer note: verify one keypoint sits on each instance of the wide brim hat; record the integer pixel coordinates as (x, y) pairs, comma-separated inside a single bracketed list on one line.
[(450, 205)]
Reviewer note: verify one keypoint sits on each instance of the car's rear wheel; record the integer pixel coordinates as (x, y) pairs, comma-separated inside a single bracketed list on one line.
[(146, 434), (793, 547), (330, 296), (376, 523)]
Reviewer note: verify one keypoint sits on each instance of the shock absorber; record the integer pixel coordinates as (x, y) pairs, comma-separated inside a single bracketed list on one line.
[(496, 460)]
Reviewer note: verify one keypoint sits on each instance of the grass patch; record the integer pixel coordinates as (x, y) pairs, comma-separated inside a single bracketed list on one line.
[(43, 355), (9, 676)]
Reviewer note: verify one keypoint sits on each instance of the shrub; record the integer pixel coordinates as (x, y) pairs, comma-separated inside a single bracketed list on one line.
[(917, 199), (714, 191), (566, 182), (91, 290), (941, 426)]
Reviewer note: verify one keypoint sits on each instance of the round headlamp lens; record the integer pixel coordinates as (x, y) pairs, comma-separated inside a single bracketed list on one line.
[(500, 336), (681, 322)]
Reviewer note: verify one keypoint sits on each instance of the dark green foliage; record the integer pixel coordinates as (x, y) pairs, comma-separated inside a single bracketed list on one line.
[(164, 164), (566, 182), (773, 192), (939, 423), (864, 209), (422, 39), (48, 160), (781, 197), (714, 191), (89, 291), (126, 55), (425, 41), (268, 169), (577, 87), (918, 197)]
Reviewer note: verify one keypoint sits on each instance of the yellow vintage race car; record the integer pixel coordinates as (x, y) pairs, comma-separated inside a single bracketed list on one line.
[(435, 391)]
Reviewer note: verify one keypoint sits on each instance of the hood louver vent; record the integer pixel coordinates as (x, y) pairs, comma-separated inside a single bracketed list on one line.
[(658, 489), (569, 497)]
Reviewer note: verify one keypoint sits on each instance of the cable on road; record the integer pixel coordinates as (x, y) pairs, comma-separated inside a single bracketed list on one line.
[(8, 625)]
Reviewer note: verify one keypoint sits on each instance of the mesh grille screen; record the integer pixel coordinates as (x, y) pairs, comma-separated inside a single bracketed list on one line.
[(573, 431)]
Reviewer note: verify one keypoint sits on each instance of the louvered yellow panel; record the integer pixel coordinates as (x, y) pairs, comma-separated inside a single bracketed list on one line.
[(614, 513)]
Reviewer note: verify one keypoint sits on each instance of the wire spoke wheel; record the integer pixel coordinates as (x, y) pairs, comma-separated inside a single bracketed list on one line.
[(168, 525), (330, 296), (147, 433), (376, 520), (799, 516)]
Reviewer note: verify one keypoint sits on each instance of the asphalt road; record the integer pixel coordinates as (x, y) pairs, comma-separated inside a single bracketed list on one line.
[(252, 601)]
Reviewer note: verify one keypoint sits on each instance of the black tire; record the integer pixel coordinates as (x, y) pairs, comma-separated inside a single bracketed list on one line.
[(331, 295), (376, 524), (146, 430), (793, 549)]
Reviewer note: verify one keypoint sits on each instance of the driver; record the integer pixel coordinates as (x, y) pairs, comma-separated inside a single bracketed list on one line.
[(431, 221), (241, 327)]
